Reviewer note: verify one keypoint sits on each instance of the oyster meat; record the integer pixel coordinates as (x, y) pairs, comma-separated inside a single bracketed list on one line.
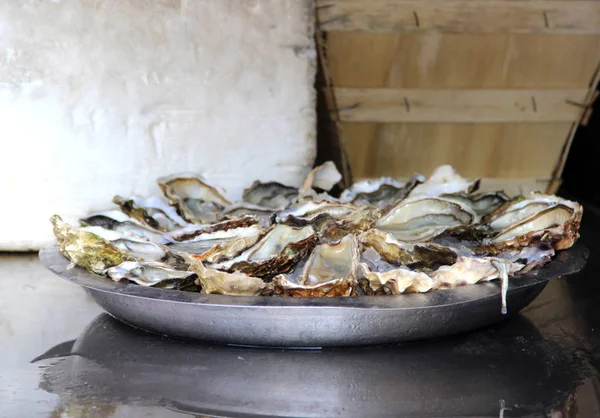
[(537, 219), (330, 271), (277, 252), (150, 273), (380, 193), (422, 218), (271, 195)]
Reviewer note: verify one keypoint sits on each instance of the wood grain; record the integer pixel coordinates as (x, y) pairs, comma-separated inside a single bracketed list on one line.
[(464, 16), (488, 150), (434, 60), (459, 106)]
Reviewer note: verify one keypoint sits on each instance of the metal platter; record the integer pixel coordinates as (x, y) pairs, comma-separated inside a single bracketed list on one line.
[(312, 322)]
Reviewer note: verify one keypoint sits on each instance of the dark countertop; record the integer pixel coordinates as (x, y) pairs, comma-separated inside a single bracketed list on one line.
[(62, 358)]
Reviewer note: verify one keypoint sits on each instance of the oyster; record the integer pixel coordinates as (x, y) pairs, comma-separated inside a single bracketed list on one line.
[(393, 282), (414, 256), (330, 271), (86, 249), (215, 246), (149, 273), (271, 195), (333, 228), (482, 203), (423, 218), (153, 212), (261, 214), (445, 180), (309, 210), (196, 201), (381, 193), (219, 282), (539, 218), (227, 228), (323, 177), (469, 270), (277, 252), (120, 222)]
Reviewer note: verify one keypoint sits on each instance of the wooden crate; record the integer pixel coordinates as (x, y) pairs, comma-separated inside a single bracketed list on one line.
[(496, 88)]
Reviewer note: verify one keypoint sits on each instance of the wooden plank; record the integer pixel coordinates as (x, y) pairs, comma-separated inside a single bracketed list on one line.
[(434, 60), (475, 150), (458, 106), (480, 16)]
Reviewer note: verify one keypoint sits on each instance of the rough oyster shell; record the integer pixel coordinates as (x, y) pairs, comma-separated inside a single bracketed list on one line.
[(149, 273), (445, 180), (415, 256), (271, 195), (330, 271), (393, 282), (213, 281), (423, 218), (153, 212), (196, 201), (138, 247), (323, 177), (86, 249), (277, 252)]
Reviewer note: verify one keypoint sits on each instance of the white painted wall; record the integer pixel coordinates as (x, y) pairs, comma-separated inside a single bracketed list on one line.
[(101, 97)]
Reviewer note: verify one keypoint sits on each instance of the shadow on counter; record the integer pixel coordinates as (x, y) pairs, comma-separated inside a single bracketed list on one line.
[(494, 372)]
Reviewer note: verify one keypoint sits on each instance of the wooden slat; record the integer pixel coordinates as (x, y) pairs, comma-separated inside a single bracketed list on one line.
[(458, 106), (434, 60), (528, 150), (508, 16)]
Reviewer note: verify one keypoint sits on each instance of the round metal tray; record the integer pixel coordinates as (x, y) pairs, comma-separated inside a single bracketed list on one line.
[(312, 322)]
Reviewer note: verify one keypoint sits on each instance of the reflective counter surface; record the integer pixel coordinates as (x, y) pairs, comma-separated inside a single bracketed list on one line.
[(62, 357)]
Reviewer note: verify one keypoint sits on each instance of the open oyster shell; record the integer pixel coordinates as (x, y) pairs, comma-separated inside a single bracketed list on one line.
[(323, 177), (150, 273), (445, 180), (196, 201), (277, 252), (414, 256), (381, 192), (86, 249), (393, 282), (330, 271), (120, 222), (271, 195), (152, 212), (423, 218), (213, 281), (309, 210), (481, 203), (537, 219)]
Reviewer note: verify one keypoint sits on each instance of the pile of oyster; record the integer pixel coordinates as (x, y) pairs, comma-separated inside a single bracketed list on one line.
[(377, 238)]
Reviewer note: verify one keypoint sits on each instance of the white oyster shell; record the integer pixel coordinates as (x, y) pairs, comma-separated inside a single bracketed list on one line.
[(422, 218)]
